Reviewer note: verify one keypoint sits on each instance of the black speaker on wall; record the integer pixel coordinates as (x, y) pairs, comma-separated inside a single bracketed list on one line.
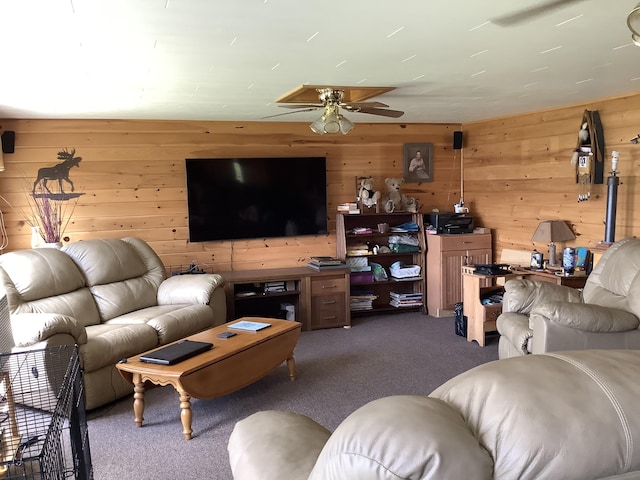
[(8, 141), (457, 140)]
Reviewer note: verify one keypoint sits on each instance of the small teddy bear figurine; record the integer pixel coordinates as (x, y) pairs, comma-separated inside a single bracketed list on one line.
[(396, 201), (367, 194)]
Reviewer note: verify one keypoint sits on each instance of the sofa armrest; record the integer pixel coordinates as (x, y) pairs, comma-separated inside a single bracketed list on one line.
[(274, 445), (522, 295), (586, 317), (404, 436), (31, 328), (515, 326), (189, 289)]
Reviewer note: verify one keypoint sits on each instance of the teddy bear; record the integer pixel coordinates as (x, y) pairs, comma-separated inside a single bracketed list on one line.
[(395, 201), (367, 194)]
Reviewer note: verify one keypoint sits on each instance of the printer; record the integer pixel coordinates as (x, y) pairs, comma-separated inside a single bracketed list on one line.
[(449, 222)]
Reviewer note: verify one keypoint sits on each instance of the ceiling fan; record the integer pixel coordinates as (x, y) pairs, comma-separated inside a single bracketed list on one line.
[(531, 13), (633, 22), (331, 101)]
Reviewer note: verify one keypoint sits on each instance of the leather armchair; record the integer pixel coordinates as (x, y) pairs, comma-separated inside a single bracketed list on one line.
[(563, 415), (539, 317)]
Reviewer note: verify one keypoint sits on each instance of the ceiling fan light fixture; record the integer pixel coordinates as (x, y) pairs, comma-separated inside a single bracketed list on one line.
[(331, 121), (318, 126), (633, 22), (345, 125)]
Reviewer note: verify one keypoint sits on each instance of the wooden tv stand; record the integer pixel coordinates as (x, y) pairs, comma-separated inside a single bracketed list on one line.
[(320, 299)]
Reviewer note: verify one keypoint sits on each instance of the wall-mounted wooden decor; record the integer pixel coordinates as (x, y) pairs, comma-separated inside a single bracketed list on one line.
[(588, 157)]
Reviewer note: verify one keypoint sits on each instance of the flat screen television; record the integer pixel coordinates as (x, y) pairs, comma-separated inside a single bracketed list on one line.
[(244, 198)]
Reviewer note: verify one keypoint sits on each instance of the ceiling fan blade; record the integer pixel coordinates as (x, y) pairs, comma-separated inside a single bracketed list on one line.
[(531, 12), (302, 106), (351, 105), (380, 111), (289, 113)]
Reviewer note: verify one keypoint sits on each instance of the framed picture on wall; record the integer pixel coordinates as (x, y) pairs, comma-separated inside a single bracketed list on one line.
[(418, 162)]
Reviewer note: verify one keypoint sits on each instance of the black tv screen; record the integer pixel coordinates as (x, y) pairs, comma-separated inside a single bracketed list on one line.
[(243, 198)]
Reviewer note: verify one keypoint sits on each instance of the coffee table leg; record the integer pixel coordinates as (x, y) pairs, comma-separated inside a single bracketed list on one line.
[(138, 399), (186, 415), (291, 365)]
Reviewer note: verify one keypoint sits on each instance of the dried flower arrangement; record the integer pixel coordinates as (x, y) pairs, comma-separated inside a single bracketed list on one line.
[(50, 214)]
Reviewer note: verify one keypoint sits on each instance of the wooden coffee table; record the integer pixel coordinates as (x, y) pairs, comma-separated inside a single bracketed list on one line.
[(230, 365)]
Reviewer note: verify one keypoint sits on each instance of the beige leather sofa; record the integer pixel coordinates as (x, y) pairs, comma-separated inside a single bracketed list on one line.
[(564, 415), (112, 298), (540, 317)]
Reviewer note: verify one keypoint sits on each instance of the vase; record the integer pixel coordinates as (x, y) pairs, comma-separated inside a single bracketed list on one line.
[(36, 238), (57, 245)]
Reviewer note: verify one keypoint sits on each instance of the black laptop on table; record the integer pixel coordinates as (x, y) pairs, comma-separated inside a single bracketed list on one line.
[(176, 352)]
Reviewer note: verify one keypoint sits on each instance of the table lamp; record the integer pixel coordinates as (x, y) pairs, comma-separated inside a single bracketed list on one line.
[(551, 231)]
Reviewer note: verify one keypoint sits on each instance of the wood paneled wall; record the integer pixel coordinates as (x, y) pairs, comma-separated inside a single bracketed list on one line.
[(132, 176), (517, 172)]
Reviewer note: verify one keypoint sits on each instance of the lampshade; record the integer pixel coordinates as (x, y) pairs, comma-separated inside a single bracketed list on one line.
[(345, 125), (552, 231), (318, 126)]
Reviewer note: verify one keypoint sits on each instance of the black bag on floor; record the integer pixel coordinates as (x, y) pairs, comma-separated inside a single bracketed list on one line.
[(460, 320)]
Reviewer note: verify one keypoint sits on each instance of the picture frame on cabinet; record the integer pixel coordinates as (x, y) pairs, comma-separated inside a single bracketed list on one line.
[(418, 162)]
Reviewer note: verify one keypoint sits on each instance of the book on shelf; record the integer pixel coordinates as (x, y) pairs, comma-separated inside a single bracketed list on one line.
[(359, 249), (326, 261), (412, 299), (275, 286), (363, 268), (317, 267), (361, 301), (397, 304), (350, 208)]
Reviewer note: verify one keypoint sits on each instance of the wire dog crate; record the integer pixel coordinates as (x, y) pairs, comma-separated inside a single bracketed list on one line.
[(42, 416)]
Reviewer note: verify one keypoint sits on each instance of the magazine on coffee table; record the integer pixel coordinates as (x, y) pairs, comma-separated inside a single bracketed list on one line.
[(249, 326)]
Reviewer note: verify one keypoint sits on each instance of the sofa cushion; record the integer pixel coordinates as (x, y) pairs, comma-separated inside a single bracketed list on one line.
[(522, 295), (43, 280), (40, 273), (403, 437), (566, 414), (107, 344), (275, 445), (122, 275), (615, 280), (171, 322)]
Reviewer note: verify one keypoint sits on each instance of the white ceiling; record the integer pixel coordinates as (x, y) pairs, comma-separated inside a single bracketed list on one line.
[(451, 60)]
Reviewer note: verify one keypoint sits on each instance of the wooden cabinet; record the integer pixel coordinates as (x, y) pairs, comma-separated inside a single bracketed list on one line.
[(446, 255), (319, 299), (382, 295), (481, 317), (329, 295)]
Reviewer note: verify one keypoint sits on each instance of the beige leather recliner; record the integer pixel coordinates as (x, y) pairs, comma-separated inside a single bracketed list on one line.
[(112, 298), (564, 415), (540, 317)]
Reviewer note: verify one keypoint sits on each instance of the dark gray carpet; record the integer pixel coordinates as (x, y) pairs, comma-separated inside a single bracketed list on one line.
[(338, 370)]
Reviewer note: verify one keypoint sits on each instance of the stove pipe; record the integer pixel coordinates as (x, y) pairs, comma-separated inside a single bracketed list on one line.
[(612, 200)]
